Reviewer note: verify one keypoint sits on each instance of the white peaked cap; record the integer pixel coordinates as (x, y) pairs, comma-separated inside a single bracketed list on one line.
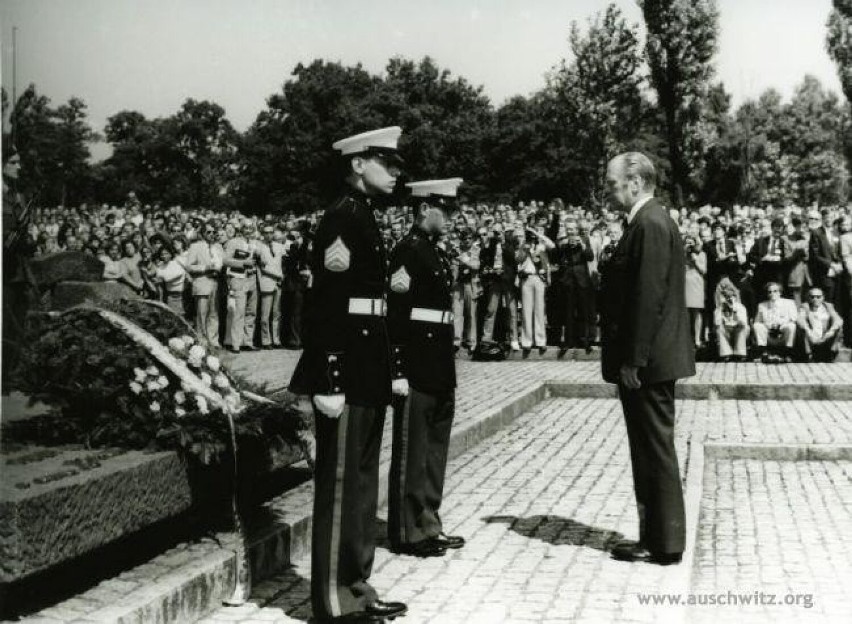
[(444, 188), (384, 138)]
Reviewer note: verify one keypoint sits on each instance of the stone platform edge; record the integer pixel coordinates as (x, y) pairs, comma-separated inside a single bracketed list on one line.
[(194, 581), (704, 391)]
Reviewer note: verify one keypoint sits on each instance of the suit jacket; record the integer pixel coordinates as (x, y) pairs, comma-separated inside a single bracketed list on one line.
[(799, 275), (720, 266), (203, 263), (808, 320), (644, 317), (487, 256), (770, 271), (783, 313), (574, 264), (820, 256)]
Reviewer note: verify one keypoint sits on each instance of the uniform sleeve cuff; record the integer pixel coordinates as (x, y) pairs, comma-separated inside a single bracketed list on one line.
[(397, 361), (334, 370)]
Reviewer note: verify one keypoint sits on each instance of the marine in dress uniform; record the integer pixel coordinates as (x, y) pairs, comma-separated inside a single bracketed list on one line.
[(646, 347), (345, 367), (422, 329)]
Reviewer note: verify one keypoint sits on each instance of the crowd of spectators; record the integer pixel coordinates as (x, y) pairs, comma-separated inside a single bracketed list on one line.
[(767, 284)]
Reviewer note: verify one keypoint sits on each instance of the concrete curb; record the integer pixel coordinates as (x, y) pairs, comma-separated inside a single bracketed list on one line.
[(700, 391)]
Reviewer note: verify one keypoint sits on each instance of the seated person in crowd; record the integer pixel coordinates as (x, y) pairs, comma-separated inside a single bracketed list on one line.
[(775, 326), (821, 327), (730, 321)]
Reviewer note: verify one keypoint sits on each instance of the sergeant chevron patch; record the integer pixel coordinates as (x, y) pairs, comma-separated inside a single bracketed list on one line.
[(337, 256), (400, 282)]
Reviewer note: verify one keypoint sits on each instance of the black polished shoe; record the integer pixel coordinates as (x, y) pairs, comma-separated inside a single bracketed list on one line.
[(561, 353), (424, 548), (234, 351), (388, 610), (542, 350), (448, 541), (633, 551), (526, 352)]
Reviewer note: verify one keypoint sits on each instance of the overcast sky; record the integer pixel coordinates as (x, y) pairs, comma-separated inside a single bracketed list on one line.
[(150, 55)]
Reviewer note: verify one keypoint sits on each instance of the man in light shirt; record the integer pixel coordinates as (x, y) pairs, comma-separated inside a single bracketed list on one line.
[(775, 326), (821, 327), (270, 279), (241, 260), (204, 264)]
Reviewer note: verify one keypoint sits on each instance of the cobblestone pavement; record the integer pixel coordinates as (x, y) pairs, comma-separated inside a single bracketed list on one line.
[(542, 501), (274, 369)]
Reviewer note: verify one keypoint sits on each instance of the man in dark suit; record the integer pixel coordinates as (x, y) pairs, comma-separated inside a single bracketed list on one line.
[(770, 257), (576, 290), (646, 347), (823, 261), (498, 264)]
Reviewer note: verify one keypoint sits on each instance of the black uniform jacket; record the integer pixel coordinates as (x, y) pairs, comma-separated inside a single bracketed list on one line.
[(643, 313), (343, 352), (424, 351)]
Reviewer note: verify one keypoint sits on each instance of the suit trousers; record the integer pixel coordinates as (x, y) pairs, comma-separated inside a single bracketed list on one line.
[(207, 317), (464, 314), (346, 490), (270, 318), (500, 291), (649, 413), (533, 327), (579, 309), (421, 440), (294, 303), (242, 310)]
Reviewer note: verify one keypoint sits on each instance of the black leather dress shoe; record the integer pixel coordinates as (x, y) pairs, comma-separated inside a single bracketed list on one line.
[(633, 551), (424, 548), (388, 610), (561, 353), (448, 541)]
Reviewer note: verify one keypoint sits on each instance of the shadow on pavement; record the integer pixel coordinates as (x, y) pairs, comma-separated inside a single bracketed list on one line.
[(560, 531)]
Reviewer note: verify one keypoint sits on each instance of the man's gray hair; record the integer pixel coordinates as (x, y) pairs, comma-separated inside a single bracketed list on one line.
[(637, 165)]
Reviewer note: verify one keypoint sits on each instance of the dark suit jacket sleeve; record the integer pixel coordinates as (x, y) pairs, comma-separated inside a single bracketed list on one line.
[(650, 253)]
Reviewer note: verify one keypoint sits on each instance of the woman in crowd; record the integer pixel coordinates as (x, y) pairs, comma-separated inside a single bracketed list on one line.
[(730, 321), (696, 269)]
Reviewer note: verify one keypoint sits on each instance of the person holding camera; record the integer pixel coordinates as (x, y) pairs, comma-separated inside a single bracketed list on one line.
[(241, 259), (696, 269), (498, 267), (466, 291), (534, 273), (297, 281), (576, 290), (730, 321), (774, 326)]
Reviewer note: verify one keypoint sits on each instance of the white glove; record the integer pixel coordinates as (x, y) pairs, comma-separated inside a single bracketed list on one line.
[(400, 387), (330, 404)]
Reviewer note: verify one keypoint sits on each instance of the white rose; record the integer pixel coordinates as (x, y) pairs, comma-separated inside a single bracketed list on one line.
[(206, 379), (195, 362), (153, 371), (135, 387), (163, 381), (212, 363), (188, 340), (201, 402), (197, 352), (177, 345), (221, 381), (155, 407), (180, 397), (180, 412), (152, 386), (140, 374), (233, 401)]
